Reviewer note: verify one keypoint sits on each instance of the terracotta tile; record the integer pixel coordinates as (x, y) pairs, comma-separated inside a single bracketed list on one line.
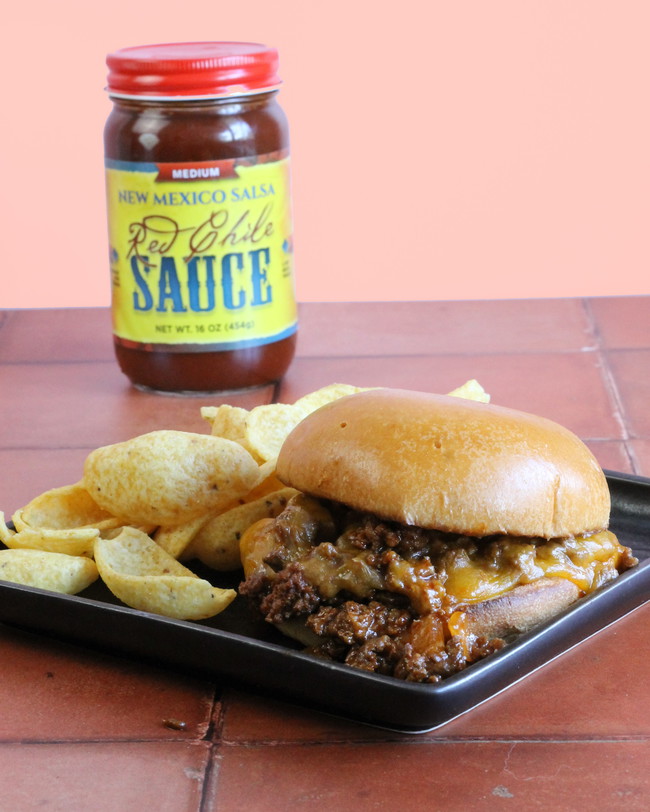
[(458, 776), (412, 328), (254, 719), (24, 473), (50, 691), (566, 387), (587, 693), (622, 322), (612, 455), (641, 454), (67, 405), (118, 777), (631, 371), (82, 334)]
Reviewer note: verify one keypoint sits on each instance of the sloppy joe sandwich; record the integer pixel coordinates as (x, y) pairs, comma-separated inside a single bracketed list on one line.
[(428, 532)]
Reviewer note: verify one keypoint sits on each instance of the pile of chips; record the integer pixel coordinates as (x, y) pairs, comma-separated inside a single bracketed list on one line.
[(147, 504)]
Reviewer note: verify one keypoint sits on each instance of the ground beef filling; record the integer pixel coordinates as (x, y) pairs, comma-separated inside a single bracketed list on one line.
[(378, 595)]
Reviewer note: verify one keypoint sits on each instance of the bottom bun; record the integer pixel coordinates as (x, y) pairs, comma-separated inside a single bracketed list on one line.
[(517, 611)]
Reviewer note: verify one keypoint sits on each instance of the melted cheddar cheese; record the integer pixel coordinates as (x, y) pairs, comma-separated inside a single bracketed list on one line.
[(451, 571)]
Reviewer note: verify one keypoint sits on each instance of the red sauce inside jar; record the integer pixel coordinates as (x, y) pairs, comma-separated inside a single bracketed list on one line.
[(196, 129)]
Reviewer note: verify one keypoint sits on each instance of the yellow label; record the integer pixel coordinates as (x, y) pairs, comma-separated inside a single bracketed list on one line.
[(201, 253)]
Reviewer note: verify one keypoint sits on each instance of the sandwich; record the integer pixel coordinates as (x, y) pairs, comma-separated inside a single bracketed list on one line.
[(428, 532)]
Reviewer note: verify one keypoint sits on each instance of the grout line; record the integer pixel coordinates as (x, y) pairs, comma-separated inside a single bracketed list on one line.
[(365, 357), (444, 354), (205, 801), (418, 740), (53, 362), (79, 742), (213, 738), (611, 386), (592, 323), (217, 716)]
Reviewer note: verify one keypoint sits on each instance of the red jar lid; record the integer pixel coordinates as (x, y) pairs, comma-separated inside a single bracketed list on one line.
[(192, 70)]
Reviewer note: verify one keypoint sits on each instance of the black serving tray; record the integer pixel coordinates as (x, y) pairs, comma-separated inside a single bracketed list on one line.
[(236, 647)]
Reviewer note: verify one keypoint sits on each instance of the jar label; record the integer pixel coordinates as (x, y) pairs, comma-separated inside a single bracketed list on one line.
[(201, 253)]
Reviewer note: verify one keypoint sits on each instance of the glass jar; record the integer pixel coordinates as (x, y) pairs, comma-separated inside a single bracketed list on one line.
[(199, 215)]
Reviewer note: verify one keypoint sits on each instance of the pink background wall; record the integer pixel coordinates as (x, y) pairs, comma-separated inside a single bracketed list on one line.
[(441, 150)]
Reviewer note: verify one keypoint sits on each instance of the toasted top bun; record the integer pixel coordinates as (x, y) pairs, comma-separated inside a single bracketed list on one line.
[(442, 462)]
